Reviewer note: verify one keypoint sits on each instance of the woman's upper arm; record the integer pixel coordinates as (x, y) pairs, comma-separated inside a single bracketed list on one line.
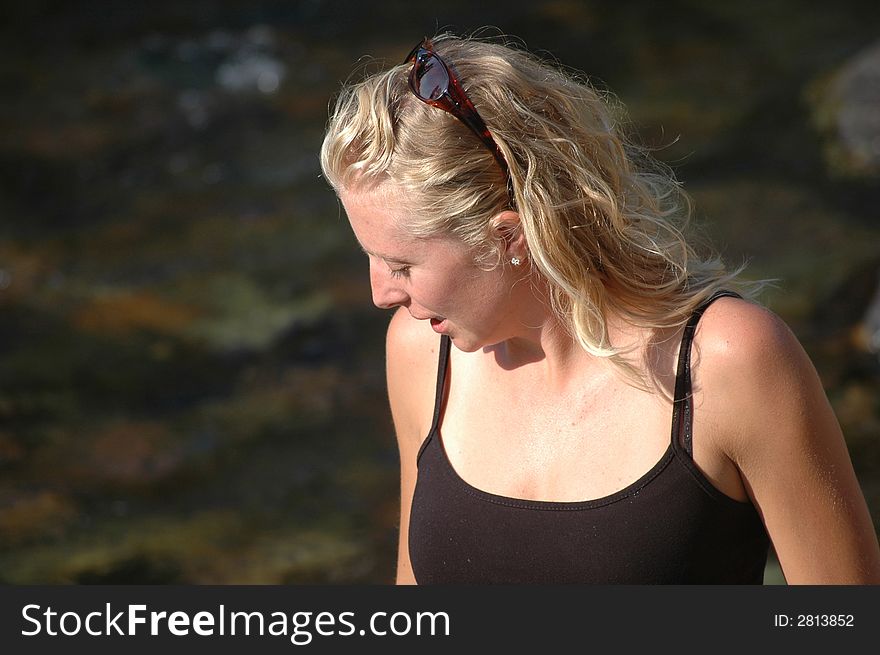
[(411, 366), (783, 436)]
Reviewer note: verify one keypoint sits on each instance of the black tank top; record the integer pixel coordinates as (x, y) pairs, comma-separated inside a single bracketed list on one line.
[(671, 526)]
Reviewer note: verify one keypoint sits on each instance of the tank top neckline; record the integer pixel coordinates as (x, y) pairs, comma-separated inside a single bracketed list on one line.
[(679, 448)]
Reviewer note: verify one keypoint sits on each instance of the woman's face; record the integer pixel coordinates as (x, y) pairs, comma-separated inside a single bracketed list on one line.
[(435, 279)]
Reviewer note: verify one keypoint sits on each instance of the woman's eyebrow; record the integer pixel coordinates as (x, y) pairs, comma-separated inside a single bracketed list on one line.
[(387, 258)]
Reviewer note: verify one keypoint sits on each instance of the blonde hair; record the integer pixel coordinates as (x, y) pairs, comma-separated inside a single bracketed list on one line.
[(604, 222)]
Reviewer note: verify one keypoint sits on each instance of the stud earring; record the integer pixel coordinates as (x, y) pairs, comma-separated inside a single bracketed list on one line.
[(516, 261)]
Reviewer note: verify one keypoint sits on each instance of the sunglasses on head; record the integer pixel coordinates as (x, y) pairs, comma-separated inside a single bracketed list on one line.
[(434, 82)]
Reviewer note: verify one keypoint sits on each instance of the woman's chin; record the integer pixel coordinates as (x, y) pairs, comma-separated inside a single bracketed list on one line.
[(464, 344)]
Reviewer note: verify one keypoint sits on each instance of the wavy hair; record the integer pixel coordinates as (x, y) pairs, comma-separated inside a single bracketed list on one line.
[(605, 223)]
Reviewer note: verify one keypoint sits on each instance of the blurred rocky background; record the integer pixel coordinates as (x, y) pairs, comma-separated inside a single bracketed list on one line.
[(191, 373)]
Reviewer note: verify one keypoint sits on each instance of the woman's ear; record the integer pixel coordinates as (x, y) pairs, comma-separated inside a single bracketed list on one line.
[(507, 230)]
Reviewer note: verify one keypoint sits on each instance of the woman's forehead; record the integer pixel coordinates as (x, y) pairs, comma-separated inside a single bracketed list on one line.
[(377, 220), (373, 208)]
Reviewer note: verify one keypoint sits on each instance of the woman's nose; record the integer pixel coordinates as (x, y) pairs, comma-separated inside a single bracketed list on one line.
[(387, 292)]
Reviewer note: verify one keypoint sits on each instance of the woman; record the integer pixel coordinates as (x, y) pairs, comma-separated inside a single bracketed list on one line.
[(504, 213)]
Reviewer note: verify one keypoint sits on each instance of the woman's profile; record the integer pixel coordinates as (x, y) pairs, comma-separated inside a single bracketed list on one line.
[(580, 393)]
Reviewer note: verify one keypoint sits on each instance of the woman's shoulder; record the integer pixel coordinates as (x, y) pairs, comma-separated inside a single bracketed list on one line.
[(738, 337), (753, 373), (409, 340), (735, 327), (411, 358)]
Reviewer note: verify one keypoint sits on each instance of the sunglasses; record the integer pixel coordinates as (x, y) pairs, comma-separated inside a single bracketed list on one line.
[(434, 82)]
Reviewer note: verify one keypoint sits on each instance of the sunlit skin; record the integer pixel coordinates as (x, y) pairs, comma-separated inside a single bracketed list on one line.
[(529, 414), (437, 278)]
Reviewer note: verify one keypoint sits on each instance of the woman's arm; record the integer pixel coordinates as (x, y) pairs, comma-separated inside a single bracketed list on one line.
[(778, 428), (411, 367)]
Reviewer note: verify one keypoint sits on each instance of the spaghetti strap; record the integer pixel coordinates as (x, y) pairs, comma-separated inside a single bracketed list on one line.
[(682, 404), (442, 365)]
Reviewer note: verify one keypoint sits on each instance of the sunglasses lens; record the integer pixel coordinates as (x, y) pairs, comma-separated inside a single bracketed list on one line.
[(431, 78)]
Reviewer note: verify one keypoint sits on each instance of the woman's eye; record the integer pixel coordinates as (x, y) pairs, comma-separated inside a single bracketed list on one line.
[(401, 271)]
